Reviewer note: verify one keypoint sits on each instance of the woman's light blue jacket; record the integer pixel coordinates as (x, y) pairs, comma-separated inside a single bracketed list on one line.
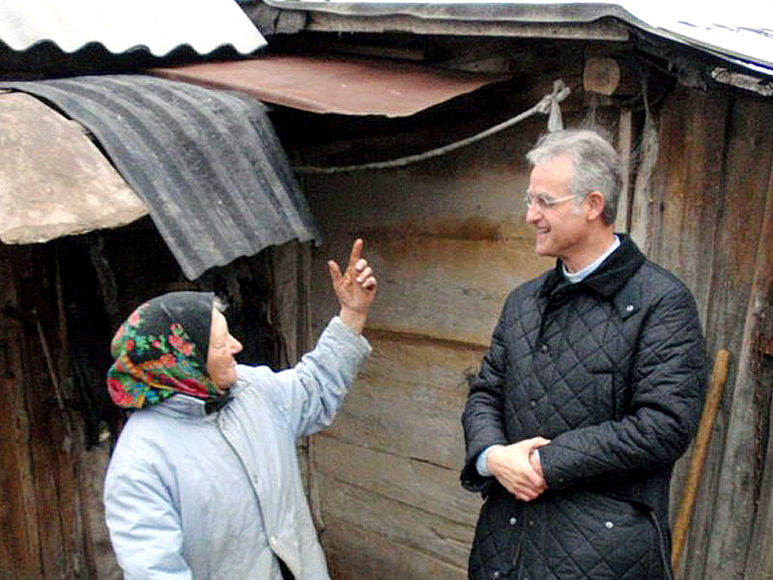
[(192, 495)]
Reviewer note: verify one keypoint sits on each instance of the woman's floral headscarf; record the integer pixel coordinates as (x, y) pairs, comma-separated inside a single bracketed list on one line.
[(161, 349)]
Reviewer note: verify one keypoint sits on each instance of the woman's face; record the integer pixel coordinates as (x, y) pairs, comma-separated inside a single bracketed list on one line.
[(221, 365)]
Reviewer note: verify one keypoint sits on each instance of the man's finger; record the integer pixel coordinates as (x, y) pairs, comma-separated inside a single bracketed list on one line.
[(356, 253), (536, 442)]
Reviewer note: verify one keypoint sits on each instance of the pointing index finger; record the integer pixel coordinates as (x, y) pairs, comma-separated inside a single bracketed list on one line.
[(356, 253)]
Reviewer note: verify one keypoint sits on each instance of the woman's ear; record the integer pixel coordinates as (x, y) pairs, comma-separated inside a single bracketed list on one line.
[(595, 201)]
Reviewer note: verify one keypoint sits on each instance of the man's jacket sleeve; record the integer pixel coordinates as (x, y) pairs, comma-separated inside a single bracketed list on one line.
[(667, 387), (482, 416)]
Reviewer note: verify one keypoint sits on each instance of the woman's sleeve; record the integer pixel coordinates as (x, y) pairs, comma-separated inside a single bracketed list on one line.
[(144, 526), (311, 393)]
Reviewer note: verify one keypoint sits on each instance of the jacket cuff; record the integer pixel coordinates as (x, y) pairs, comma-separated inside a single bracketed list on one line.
[(554, 477), (472, 480), (342, 332)]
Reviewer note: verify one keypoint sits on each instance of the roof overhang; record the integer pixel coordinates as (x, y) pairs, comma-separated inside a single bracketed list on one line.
[(348, 86), (207, 164), (748, 45), (500, 19)]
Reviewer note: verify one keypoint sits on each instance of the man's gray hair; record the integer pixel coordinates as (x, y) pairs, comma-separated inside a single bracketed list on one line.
[(597, 165)]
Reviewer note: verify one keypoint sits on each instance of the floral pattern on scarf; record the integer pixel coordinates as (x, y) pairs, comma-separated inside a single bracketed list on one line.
[(161, 350)]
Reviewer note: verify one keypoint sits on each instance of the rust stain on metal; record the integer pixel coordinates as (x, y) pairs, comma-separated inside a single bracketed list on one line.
[(351, 86)]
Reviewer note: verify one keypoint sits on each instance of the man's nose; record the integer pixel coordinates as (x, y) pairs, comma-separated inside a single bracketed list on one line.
[(236, 346), (532, 213)]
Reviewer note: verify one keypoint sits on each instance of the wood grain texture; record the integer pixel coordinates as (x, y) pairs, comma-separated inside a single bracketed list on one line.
[(19, 535), (401, 523), (354, 553), (430, 488), (408, 401)]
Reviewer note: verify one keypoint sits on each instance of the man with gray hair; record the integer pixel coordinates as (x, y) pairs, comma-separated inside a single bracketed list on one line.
[(589, 393)]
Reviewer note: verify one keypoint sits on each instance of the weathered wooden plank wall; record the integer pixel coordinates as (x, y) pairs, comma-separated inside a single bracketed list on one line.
[(712, 186), (448, 240), (40, 446)]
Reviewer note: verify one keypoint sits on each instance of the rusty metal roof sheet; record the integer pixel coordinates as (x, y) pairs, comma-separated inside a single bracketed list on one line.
[(351, 86), (206, 163), (53, 180), (122, 26)]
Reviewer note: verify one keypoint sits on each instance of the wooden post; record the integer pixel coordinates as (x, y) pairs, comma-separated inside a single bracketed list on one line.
[(700, 450)]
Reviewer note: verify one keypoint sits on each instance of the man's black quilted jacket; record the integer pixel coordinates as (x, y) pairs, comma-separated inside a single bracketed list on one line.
[(612, 370)]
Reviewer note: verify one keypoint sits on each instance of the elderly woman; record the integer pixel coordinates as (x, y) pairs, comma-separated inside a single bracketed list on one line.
[(204, 479)]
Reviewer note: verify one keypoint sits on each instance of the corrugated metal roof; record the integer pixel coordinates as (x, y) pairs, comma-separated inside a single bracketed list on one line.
[(53, 180), (159, 26), (207, 163), (352, 86), (740, 32)]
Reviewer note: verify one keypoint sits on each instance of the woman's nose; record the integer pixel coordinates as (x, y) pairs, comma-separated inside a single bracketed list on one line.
[(236, 346)]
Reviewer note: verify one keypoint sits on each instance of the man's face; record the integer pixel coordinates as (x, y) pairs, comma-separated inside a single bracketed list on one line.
[(561, 228), (221, 365)]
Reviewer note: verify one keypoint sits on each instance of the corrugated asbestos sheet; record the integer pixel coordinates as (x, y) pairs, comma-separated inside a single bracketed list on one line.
[(207, 163), (321, 84), (159, 26)]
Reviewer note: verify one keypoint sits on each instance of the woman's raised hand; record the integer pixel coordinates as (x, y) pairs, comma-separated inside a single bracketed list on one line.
[(355, 288)]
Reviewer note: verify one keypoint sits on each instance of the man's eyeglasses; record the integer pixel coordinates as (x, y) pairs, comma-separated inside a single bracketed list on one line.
[(544, 202)]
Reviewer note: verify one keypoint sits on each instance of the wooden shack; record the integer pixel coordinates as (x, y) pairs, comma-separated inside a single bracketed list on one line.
[(447, 237)]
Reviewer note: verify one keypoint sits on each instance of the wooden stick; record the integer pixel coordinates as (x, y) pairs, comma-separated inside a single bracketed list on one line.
[(700, 450)]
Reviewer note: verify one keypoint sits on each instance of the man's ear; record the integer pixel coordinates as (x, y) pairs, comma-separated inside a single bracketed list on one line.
[(595, 200)]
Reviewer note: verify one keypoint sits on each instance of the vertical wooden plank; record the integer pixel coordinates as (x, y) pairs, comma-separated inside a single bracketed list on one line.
[(290, 272), (752, 184), (49, 471), (48, 439), (642, 204), (625, 149), (759, 564), (686, 199), (688, 191), (19, 534)]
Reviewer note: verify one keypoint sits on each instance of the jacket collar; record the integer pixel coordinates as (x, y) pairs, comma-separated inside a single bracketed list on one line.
[(609, 277), (185, 407)]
